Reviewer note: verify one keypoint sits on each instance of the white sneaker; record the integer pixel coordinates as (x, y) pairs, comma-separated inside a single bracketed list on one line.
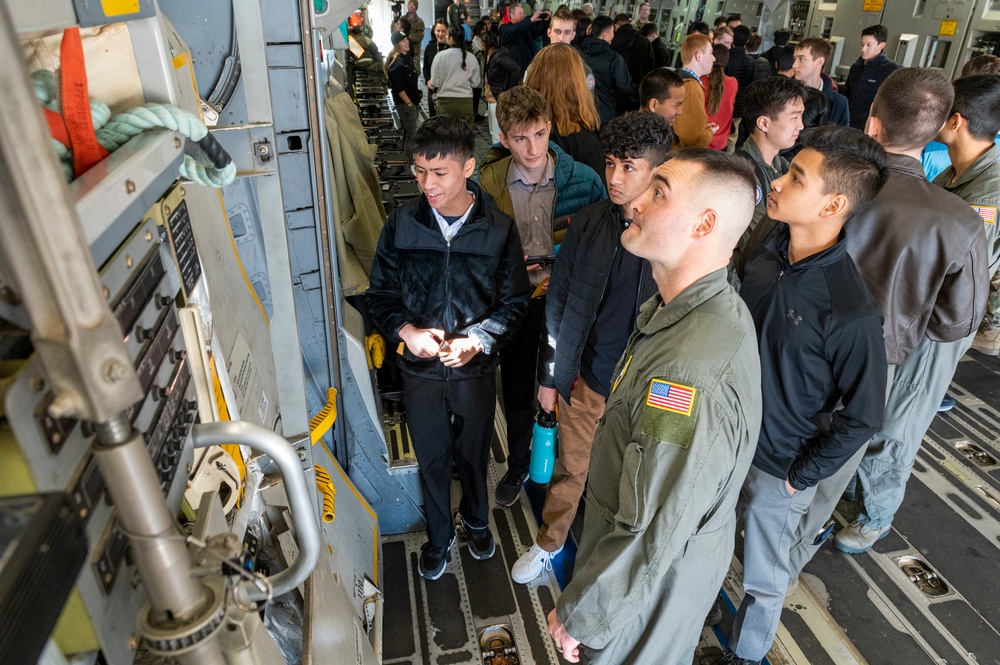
[(531, 564)]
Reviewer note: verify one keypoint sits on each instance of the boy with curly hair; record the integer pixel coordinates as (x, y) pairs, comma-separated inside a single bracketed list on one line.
[(593, 299)]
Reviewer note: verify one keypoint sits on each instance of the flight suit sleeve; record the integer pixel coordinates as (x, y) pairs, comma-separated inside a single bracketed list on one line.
[(671, 472)]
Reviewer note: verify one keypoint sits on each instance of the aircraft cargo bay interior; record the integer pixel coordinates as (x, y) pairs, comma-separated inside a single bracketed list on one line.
[(226, 437)]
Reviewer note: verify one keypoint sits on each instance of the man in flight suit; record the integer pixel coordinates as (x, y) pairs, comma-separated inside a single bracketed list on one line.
[(678, 433)]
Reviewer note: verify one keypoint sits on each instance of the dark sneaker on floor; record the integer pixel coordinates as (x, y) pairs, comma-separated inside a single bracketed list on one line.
[(714, 617), (481, 544), (433, 560), (509, 488), (730, 658)]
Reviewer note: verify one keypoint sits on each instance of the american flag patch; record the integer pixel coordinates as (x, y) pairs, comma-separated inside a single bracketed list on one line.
[(988, 213), (670, 397)]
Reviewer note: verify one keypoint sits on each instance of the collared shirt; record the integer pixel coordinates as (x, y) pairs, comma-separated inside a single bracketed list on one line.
[(533, 204), (979, 186), (450, 229)]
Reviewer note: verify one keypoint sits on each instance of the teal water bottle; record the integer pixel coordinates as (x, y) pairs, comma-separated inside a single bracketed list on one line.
[(543, 447)]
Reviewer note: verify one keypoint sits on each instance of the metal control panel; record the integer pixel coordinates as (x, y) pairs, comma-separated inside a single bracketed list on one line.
[(141, 283)]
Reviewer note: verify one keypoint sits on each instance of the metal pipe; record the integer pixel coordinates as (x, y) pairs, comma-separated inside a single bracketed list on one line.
[(159, 550), (300, 502)]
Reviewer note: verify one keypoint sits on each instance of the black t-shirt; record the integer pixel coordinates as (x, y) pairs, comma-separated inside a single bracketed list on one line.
[(614, 322)]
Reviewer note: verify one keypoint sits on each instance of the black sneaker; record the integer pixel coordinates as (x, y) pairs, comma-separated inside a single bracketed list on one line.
[(714, 617), (481, 545), (730, 658), (433, 560), (509, 488)]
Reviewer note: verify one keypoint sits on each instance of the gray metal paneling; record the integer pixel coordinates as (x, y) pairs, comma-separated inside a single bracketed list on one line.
[(289, 85)]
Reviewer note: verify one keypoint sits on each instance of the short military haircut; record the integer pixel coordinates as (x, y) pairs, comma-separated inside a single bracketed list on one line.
[(983, 63), (785, 59), (719, 20), (415, 3), (769, 97), (732, 182), (694, 43), (854, 164), (698, 26), (621, 19), (657, 84), (638, 135), (879, 32), (444, 136), (649, 29), (741, 35), (564, 14), (754, 42), (521, 106), (601, 25), (977, 99), (782, 36), (912, 105), (817, 47)]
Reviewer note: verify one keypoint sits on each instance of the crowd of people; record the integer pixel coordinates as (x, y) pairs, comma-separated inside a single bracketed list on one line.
[(756, 303)]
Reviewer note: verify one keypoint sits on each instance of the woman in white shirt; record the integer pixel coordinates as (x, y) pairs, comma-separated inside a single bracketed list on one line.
[(454, 73)]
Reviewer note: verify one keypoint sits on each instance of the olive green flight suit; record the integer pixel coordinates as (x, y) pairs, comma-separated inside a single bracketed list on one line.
[(668, 461), (979, 186)]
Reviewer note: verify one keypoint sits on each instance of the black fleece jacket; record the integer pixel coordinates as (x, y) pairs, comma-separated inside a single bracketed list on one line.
[(578, 284), (819, 333), (474, 285)]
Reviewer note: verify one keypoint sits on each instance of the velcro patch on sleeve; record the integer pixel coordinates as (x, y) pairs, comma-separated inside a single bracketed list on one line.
[(988, 213), (670, 411)]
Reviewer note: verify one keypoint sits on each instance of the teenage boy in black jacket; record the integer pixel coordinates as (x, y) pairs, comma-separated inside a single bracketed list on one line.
[(593, 299), (819, 332), (449, 281)]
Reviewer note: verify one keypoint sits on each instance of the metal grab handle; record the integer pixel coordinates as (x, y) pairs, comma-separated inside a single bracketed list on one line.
[(299, 500)]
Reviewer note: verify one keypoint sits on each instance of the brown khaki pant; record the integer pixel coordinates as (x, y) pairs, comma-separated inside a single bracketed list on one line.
[(577, 426)]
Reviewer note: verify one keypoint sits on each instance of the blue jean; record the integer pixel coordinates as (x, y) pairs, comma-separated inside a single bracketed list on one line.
[(771, 518), (917, 389)]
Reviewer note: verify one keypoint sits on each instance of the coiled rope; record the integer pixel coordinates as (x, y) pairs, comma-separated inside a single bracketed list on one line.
[(114, 132)]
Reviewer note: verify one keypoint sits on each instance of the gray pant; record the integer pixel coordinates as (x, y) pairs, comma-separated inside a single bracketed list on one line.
[(917, 390), (771, 518), (828, 493)]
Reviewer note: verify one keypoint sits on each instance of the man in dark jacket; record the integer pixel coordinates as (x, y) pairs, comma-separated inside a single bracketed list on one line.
[(541, 187), (819, 333), (868, 74), (449, 281), (741, 67), (519, 35), (593, 300), (406, 94), (637, 52), (781, 38), (922, 252), (810, 56), (611, 75), (661, 57)]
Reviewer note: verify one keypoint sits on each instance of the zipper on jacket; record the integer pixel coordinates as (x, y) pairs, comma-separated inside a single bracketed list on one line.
[(447, 271)]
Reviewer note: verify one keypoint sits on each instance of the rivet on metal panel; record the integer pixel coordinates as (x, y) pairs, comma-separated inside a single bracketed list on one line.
[(106, 291), (149, 236), (37, 383), (129, 187), (177, 142), (129, 261)]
